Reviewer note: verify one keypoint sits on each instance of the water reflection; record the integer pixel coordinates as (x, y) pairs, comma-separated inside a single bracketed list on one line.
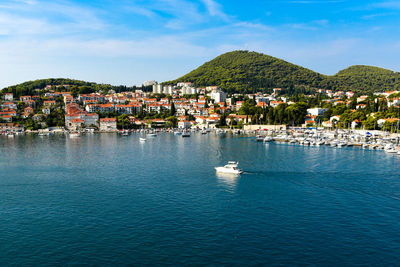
[(228, 179)]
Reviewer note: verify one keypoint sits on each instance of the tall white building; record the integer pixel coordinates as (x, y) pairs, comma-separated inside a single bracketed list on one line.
[(218, 95), (157, 89)]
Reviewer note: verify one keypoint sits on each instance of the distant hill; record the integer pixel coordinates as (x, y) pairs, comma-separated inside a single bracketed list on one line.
[(244, 72), (365, 79), (31, 87)]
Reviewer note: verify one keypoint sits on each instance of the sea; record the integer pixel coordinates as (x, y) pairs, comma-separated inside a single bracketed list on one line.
[(111, 200)]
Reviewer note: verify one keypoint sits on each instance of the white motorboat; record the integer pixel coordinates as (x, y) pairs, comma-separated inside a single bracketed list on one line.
[(74, 134), (231, 167), (142, 139), (186, 134), (151, 135), (260, 138), (268, 139)]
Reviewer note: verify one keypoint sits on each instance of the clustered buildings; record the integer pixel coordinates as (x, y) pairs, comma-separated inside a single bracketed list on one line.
[(204, 110)]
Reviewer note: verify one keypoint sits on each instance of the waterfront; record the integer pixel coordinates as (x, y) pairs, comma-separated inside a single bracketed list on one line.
[(109, 199)]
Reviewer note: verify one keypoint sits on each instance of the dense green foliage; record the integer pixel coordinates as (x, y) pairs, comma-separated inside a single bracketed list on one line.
[(75, 86), (245, 72), (366, 79)]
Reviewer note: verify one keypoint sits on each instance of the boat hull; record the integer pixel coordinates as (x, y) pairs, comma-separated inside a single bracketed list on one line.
[(224, 170)]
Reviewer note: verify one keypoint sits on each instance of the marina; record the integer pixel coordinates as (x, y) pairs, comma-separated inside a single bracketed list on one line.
[(125, 201)]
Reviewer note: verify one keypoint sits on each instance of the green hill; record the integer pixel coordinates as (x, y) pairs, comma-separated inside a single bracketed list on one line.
[(366, 79), (34, 87), (244, 72)]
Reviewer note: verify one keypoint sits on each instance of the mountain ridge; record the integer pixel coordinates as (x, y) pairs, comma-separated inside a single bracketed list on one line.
[(244, 72)]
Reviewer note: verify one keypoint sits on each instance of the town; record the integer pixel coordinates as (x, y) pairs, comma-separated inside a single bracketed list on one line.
[(184, 106)]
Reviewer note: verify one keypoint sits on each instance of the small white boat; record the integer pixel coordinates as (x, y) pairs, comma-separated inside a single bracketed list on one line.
[(391, 150), (74, 134), (124, 133), (177, 133), (231, 167), (142, 139), (260, 138), (268, 139), (151, 135), (186, 134)]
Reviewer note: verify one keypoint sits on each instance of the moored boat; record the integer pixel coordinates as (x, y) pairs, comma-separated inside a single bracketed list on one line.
[(74, 134)]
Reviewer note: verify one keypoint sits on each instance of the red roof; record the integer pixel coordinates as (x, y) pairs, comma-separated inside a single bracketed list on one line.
[(108, 119)]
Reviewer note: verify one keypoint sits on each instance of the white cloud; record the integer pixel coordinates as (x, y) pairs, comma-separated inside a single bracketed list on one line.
[(388, 5), (215, 10)]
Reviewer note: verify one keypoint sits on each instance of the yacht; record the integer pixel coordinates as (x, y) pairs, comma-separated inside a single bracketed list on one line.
[(231, 167)]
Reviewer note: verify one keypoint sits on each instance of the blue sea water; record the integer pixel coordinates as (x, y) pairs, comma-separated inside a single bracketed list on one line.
[(103, 200)]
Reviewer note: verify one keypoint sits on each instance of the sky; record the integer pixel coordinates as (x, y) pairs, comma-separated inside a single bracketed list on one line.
[(126, 42)]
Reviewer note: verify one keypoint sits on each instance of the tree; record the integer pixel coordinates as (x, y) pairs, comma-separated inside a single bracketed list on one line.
[(172, 122), (173, 110)]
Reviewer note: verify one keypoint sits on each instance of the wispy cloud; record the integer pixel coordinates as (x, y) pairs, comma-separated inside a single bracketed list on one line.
[(316, 1), (387, 5), (215, 10)]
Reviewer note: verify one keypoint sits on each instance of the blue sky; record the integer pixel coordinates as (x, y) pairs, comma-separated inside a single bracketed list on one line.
[(130, 41)]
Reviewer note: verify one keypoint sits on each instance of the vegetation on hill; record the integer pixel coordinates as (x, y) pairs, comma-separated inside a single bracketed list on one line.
[(75, 86), (365, 79), (244, 72)]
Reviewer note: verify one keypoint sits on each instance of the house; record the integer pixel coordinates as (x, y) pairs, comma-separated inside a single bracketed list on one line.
[(73, 111), (355, 124), (49, 103), (394, 102), (6, 117), (76, 124), (9, 112), (184, 124), (108, 125), (361, 106), (316, 111), (25, 98), (9, 105), (274, 104), (362, 98), (106, 108), (27, 111), (10, 127), (8, 97), (46, 110), (327, 124), (238, 118), (380, 122), (31, 103)]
